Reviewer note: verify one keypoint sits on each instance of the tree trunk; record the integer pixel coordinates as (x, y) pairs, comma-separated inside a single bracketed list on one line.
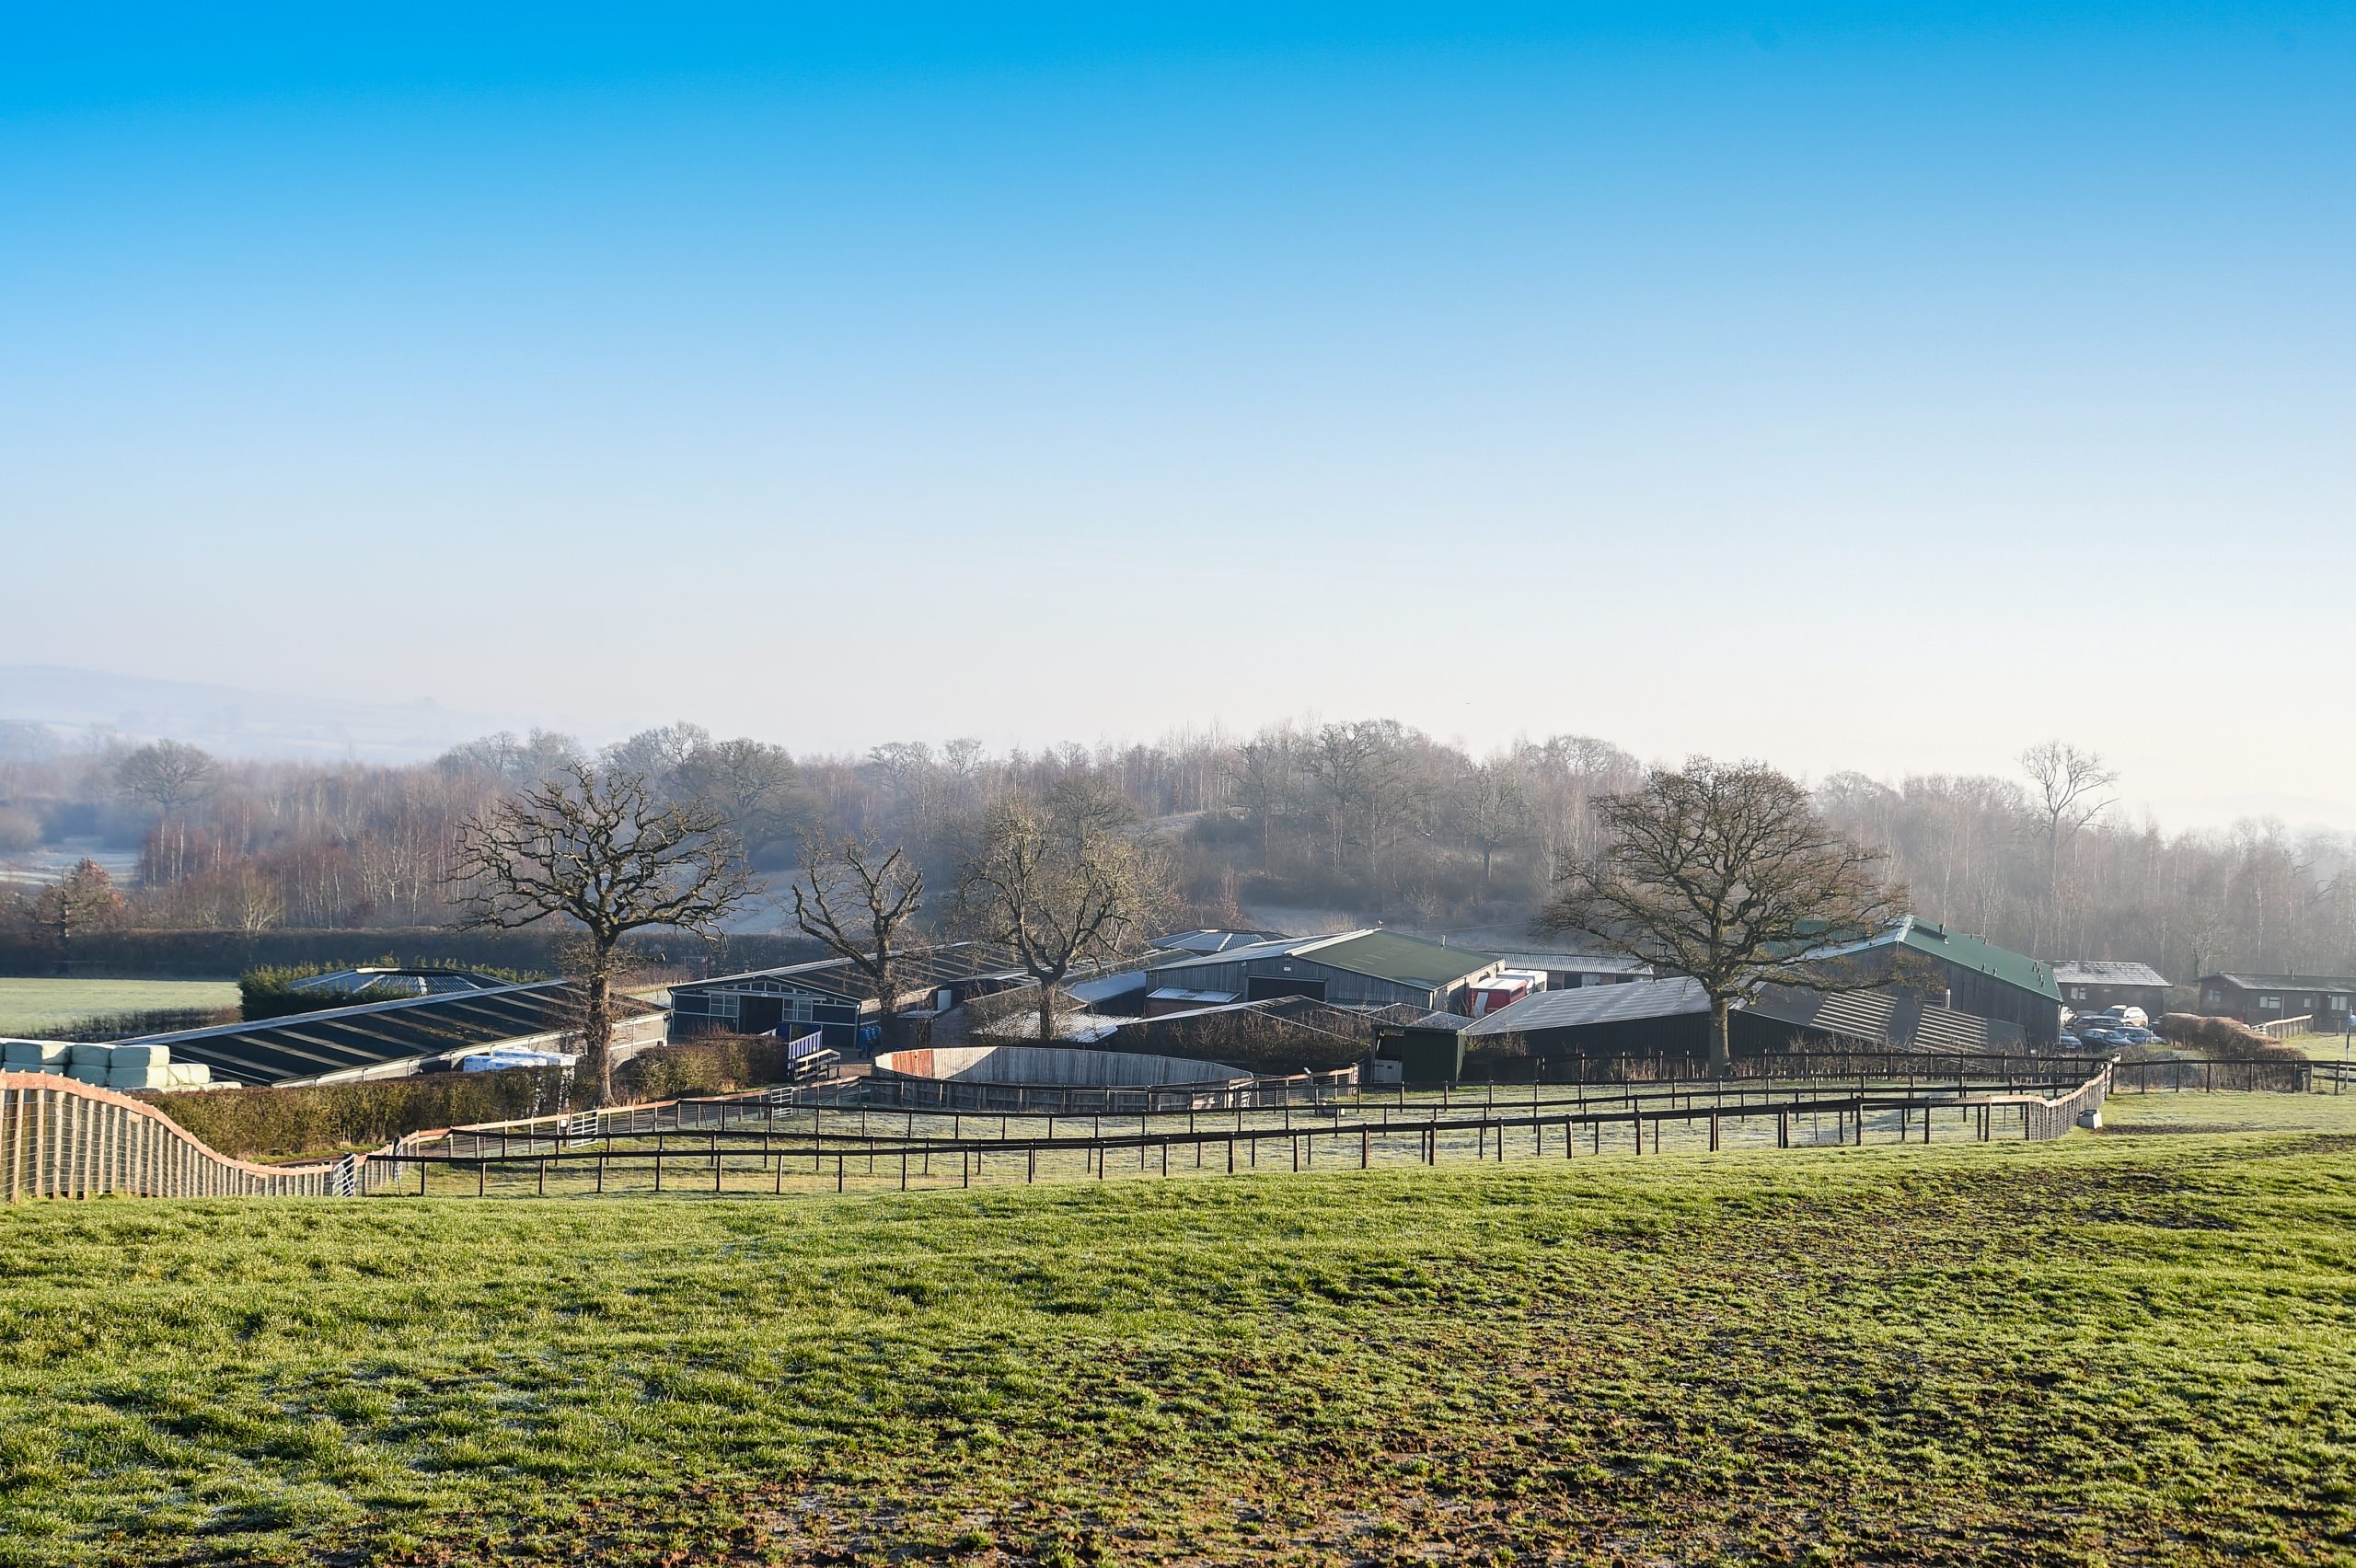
[(1046, 1011), (597, 1020), (1721, 1048)]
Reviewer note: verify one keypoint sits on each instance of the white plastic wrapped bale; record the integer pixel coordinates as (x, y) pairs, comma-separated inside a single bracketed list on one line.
[(90, 1055), (92, 1073), (123, 1056), (33, 1055), (140, 1077), (503, 1056), (190, 1075)]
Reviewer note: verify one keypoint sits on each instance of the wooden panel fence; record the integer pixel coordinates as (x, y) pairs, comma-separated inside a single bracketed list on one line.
[(64, 1138)]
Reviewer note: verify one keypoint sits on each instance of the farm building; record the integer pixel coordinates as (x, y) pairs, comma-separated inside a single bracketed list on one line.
[(1672, 1018), (836, 996), (409, 1035), (2271, 998), (2092, 984), (1356, 969), (1962, 974)]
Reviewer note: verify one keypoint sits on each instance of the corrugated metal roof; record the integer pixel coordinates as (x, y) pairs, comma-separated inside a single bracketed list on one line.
[(1403, 960), (303, 1045), (1574, 962), (1876, 1017), (2287, 981), (2105, 972), (1206, 940), (1595, 1004), (2014, 969), (917, 969), (405, 982), (1282, 947)]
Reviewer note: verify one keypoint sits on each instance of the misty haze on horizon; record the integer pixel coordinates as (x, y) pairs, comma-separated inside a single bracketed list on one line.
[(80, 707)]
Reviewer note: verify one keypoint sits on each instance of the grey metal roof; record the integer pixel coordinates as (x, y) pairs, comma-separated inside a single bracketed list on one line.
[(1574, 962), (917, 969), (2287, 981), (1594, 1004), (1282, 947), (303, 1045), (2105, 972), (1208, 941), (1880, 1017), (405, 982)]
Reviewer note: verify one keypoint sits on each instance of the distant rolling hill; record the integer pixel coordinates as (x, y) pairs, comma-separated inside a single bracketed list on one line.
[(232, 721)]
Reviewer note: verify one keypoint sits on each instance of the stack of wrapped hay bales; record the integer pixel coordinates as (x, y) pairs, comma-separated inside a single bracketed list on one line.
[(33, 1057), (133, 1067)]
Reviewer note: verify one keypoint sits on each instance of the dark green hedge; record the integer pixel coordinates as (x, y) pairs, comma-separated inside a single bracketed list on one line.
[(212, 954), (270, 1124)]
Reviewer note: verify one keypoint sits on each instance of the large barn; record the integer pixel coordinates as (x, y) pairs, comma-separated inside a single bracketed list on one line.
[(1672, 1018), (1944, 967)]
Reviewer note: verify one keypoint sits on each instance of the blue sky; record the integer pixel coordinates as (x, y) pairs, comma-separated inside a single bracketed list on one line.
[(1084, 373)]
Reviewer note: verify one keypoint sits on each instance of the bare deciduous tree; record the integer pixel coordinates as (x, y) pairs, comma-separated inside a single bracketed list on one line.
[(594, 849), (1058, 886), (171, 777), (2071, 790), (855, 896), (1493, 811), (1726, 874)]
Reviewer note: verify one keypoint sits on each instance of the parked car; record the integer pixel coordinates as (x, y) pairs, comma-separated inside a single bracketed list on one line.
[(2136, 1036), (2068, 1041), (2091, 1036)]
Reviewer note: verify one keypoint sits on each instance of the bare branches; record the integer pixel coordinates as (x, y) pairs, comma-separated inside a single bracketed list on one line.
[(855, 896), (2072, 785), (1724, 874), (2072, 789), (595, 850), (1058, 887)]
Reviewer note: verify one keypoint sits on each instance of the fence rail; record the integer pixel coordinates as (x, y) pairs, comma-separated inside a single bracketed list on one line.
[(2216, 1077), (62, 1138), (2283, 1028)]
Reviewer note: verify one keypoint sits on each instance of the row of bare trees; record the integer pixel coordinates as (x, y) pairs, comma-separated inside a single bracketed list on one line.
[(596, 851), (1360, 820)]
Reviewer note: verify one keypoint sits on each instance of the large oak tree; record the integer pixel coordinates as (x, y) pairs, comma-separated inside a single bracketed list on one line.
[(595, 850), (1063, 883), (1725, 873)]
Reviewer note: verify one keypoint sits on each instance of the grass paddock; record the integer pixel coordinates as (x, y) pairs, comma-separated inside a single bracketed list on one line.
[(30, 1006), (2138, 1346)]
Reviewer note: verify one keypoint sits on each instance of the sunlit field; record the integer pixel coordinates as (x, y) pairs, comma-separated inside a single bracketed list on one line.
[(2137, 1346), (30, 1006)]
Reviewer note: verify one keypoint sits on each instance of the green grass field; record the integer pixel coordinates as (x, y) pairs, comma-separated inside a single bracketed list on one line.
[(2136, 1346), (28, 1007)]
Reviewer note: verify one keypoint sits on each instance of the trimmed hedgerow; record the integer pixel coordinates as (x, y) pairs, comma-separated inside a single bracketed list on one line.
[(270, 1124)]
